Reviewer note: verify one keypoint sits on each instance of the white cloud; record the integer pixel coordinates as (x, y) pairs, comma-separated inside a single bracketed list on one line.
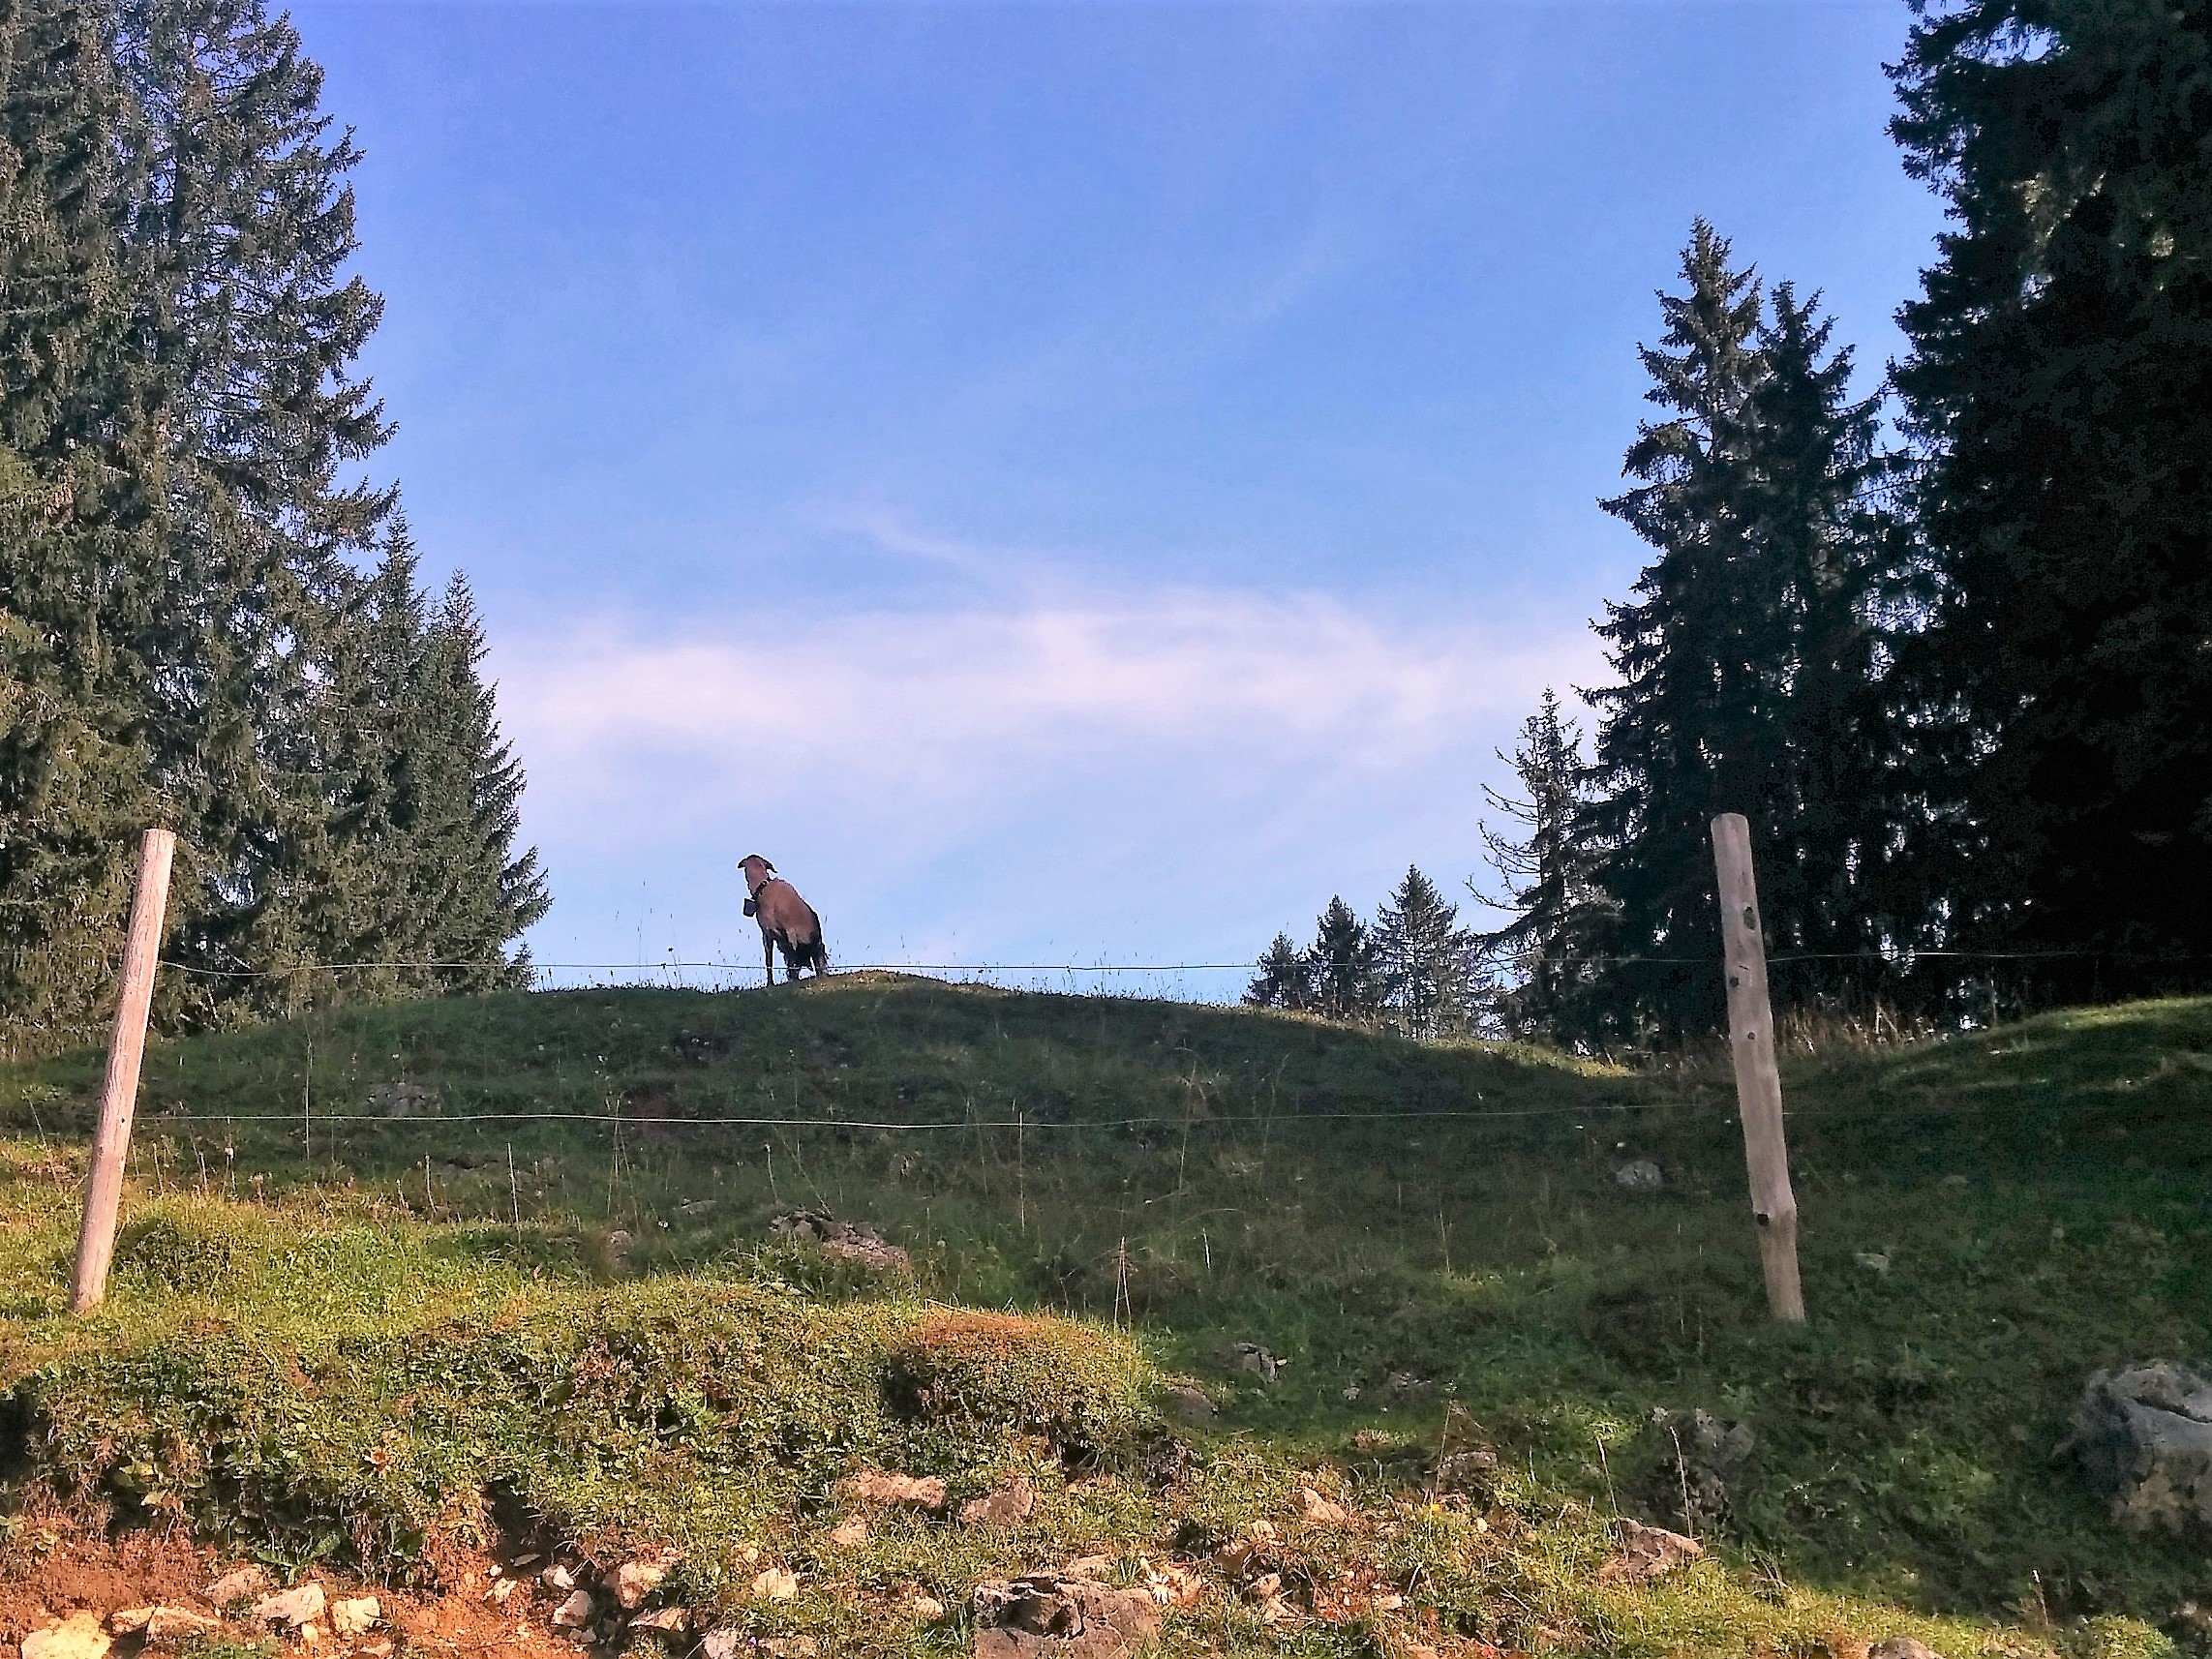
[(934, 719)]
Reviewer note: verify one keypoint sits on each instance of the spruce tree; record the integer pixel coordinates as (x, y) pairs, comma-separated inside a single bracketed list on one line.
[(1754, 663), (2059, 380), (250, 325), (1286, 977), (1426, 963), (1695, 650), (462, 805), (1831, 800), (80, 571), (1343, 961), (1548, 876)]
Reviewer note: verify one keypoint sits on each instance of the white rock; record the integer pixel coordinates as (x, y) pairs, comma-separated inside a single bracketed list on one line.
[(298, 1606), (355, 1615), (499, 1591), (664, 1621), (633, 1580), (237, 1585), (776, 1584), (160, 1624), (727, 1642), (558, 1578), (77, 1637), (574, 1613)]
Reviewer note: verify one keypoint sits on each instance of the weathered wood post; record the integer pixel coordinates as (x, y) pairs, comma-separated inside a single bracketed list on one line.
[(1758, 1080), (119, 1094)]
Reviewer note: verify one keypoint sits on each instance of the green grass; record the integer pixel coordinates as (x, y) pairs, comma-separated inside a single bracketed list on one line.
[(334, 1332)]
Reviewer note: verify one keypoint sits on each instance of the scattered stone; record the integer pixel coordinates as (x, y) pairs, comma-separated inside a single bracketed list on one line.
[(2143, 1437), (1191, 1404), (1172, 1586), (1469, 1469), (725, 1643), (1640, 1175), (1317, 1511), (298, 1606), (1267, 1590), (791, 1648), (575, 1612), (242, 1585), (875, 1486), (776, 1584), (619, 1244), (848, 1240), (1239, 1555), (77, 1637), (1872, 1260), (1699, 1468), (1048, 1617), (355, 1615), (663, 1622), (1648, 1552), (1008, 1504), (925, 1605), (633, 1580), (1903, 1648), (850, 1532), (559, 1579), (379, 1649), (1250, 1357), (402, 1100), (160, 1624), (520, 1563), (501, 1591)]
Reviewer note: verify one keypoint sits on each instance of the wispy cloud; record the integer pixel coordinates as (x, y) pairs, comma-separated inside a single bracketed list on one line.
[(942, 725)]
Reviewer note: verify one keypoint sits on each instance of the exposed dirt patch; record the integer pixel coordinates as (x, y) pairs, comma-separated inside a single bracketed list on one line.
[(57, 1565)]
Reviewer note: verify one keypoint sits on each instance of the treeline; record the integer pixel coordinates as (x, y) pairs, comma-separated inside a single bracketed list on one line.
[(1959, 683), (210, 618)]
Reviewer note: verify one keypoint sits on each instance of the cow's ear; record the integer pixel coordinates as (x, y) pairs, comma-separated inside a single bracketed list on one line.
[(750, 907)]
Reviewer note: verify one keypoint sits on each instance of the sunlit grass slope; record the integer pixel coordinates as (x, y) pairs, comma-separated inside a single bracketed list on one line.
[(547, 1300)]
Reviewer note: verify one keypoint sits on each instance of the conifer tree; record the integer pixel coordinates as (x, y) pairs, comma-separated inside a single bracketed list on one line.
[(1693, 650), (464, 807), (2059, 381), (1343, 960), (1426, 963), (1548, 876), (1824, 787), (250, 325), (80, 570), (1753, 663), (1286, 977)]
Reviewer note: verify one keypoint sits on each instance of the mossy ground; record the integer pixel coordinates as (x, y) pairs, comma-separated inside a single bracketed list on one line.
[(336, 1335)]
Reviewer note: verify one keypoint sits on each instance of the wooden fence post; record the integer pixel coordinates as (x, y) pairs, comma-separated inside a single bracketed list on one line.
[(1758, 1080), (119, 1094)]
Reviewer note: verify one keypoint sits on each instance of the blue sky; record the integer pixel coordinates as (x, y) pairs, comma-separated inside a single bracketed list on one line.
[(1069, 483)]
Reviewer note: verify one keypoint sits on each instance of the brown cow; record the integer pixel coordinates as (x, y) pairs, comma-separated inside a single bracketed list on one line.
[(786, 920)]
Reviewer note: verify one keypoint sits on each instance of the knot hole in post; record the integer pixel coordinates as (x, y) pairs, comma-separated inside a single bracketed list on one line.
[(1750, 918), (1765, 1220)]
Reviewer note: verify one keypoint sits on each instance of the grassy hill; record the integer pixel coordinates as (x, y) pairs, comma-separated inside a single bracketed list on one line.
[(400, 1285)]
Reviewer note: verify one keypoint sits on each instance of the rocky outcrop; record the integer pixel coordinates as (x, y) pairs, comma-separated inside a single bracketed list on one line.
[(2142, 1438)]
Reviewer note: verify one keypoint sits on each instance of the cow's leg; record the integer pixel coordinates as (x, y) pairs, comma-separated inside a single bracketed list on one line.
[(767, 956)]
